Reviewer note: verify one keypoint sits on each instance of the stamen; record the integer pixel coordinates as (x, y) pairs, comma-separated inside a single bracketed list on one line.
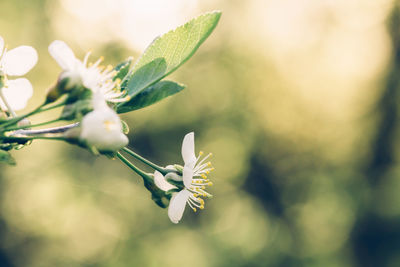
[(191, 206), (87, 57)]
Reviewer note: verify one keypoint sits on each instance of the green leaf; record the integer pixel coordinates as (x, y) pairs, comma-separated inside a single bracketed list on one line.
[(122, 69), (6, 157), (151, 95), (169, 51)]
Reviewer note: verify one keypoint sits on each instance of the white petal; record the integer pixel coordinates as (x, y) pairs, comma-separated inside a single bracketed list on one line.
[(17, 93), (1, 45), (177, 205), (63, 54), (102, 128), (19, 60), (187, 176), (161, 183), (188, 148)]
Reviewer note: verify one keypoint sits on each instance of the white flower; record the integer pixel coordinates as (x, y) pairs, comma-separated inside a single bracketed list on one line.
[(92, 76), (102, 128), (194, 181), (16, 62)]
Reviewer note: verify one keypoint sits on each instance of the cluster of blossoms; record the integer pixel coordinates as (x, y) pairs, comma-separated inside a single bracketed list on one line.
[(92, 97)]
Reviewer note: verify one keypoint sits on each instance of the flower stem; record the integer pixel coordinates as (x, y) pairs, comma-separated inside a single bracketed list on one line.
[(35, 111), (145, 161), (33, 125), (3, 98), (27, 138), (144, 175)]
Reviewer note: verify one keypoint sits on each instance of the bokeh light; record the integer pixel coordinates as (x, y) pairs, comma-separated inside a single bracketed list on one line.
[(297, 100)]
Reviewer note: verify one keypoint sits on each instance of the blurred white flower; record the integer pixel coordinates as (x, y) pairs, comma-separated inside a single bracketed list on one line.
[(194, 180), (92, 76), (102, 128), (16, 62)]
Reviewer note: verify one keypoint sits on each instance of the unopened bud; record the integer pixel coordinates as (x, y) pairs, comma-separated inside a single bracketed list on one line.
[(53, 94), (24, 122), (68, 83)]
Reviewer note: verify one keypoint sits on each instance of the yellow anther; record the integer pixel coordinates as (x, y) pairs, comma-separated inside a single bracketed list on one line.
[(209, 164), (201, 153), (109, 125), (195, 195), (201, 201), (207, 172), (201, 207), (118, 81), (194, 209), (210, 184), (203, 187), (203, 175)]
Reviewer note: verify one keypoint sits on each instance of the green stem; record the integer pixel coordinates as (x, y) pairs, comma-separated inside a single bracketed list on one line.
[(144, 175), (35, 111), (26, 138), (19, 118), (164, 171), (33, 125)]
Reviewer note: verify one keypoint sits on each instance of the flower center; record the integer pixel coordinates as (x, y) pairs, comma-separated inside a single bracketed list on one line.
[(109, 125), (200, 182), (101, 79)]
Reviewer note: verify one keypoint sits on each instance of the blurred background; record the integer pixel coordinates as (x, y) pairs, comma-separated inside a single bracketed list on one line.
[(298, 101)]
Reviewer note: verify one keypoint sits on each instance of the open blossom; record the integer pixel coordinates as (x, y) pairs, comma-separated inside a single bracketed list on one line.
[(194, 178), (92, 76), (16, 62), (102, 128)]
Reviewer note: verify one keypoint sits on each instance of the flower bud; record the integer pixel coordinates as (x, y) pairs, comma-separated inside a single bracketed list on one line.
[(68, 83), (102, 129), (24, 122)]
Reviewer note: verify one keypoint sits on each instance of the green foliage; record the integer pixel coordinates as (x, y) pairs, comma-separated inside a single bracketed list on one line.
[(6, 157), (167, 52), (122, 69), (151, 95)]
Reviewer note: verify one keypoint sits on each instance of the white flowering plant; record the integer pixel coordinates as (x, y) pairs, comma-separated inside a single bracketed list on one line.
[(91, 97)]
